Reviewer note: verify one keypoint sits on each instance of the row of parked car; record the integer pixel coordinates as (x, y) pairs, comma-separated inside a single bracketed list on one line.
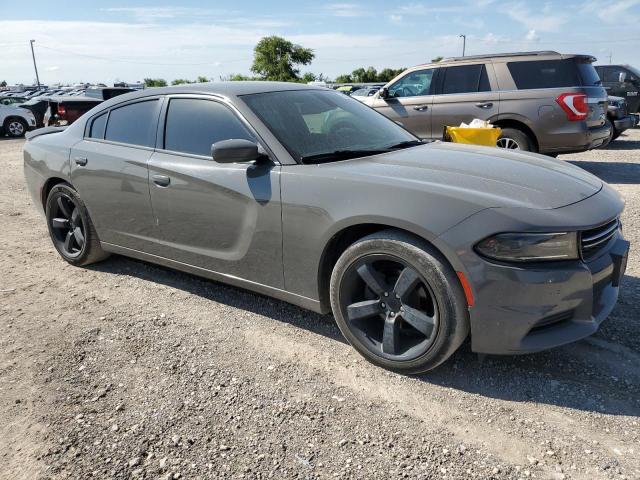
[(543, 101), (25, 110)]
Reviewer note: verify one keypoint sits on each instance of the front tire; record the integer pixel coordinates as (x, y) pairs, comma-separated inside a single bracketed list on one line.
[(398, 302), (70, 227), (15, 127)]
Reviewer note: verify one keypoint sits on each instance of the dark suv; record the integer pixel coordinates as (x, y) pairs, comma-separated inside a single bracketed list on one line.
[(544, 102), (622, 81)]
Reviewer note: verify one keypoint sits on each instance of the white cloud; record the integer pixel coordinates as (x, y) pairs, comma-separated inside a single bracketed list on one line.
[(395, 18), (347, 10), (532, 36), (542, 20), (614, 11)]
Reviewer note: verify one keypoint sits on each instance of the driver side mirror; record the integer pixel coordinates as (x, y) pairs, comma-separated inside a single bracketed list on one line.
[(622, 77), (235, 151), (384, 92)]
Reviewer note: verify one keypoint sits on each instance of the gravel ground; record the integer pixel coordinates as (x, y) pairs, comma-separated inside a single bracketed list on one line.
[(128, 370)]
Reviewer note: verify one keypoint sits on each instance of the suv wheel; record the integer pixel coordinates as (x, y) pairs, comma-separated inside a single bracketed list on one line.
[(398, 302), (70, 227), (514, 139), (15, 127)]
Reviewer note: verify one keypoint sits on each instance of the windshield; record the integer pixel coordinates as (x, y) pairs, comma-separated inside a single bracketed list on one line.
[(322, 125)]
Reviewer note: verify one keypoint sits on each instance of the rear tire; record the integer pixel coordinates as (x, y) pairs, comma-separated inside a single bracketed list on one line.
[(15, 127), (398, 302), (514, 139), (70, 227)]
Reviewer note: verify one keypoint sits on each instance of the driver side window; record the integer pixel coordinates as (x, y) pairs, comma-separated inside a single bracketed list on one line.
[(412, 85)]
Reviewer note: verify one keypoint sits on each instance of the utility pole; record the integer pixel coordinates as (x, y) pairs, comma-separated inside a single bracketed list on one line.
[(464, 42), (33, 55), (610, 53)]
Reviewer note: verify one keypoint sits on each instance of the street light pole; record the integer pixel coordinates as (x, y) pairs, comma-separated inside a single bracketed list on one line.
[(464, 42), (33, 55)]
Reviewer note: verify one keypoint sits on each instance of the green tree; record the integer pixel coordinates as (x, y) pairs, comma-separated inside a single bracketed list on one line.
[(437, 59), (386, 74), (202, 79), (345, 78), (3, 84), (235, 77), (276, 59), (308, 77), (180, 81), (155, 82)]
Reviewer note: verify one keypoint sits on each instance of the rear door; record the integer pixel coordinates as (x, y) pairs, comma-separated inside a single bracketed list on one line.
[(109, 169), (222, 217), (409, 102), (463, 93)]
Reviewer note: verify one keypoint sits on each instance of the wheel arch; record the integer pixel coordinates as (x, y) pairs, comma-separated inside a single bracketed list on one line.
[(518, 125), (48, 185), (347, 235)]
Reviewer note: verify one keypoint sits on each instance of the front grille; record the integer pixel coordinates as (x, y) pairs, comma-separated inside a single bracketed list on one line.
[(592, 241)]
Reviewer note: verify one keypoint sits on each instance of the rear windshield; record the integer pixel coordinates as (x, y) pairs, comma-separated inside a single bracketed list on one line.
[(570, 72)]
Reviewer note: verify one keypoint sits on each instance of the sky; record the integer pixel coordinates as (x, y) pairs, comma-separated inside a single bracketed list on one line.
[(104, 41)]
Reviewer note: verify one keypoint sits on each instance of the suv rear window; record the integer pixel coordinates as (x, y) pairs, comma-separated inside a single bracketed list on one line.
[(551, 73)]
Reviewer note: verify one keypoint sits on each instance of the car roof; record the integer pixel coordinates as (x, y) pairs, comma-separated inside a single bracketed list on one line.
[(223, 89)]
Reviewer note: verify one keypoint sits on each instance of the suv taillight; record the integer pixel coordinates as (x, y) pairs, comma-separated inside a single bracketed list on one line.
[(574, 105), (62, 111)]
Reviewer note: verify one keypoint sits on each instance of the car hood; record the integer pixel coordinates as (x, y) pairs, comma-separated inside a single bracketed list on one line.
[(489, 177)]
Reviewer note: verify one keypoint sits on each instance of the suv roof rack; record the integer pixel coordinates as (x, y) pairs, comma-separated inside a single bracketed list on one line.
[(494, 55)]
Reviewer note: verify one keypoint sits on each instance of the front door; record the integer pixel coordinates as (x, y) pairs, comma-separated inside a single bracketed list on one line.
[(222, 217), (409, 102), (109, 169), (464, 93)]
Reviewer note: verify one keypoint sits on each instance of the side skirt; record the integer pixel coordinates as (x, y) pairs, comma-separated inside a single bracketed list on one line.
[(299, 300)]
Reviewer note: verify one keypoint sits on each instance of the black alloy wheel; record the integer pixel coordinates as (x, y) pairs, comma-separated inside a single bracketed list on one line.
[(67, 228), (389, 307)]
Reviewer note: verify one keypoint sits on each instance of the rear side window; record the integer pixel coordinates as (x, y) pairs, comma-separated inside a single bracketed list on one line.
[(98, 126), (193, 125), (134, 123), (545, 74), (612, 74), (465, 79)]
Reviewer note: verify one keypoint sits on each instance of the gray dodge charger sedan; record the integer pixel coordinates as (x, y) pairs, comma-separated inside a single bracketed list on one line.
[(309, 196)]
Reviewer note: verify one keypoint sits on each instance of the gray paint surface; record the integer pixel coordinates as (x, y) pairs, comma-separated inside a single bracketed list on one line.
[(265, 226)]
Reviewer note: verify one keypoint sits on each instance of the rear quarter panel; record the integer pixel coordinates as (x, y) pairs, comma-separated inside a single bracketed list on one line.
[(45, 157)]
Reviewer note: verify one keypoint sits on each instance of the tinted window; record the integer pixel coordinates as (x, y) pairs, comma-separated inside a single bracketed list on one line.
[(194, 125), (97, 126), (314, 122), (465, 79), (544, 74), (413, 84), (134, 123), (612, 74), (588, 74)]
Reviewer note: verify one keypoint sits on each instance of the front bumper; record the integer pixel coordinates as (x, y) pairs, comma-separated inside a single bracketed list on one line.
[(531, 307), (624, 123)]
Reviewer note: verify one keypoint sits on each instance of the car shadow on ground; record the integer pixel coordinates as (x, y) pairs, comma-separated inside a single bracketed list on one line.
[(553, 377), (622, 144), (612, 172)]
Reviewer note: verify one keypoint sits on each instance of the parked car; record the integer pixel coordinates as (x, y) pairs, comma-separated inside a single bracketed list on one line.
[(618, 117), (11, 100), (59, 110), (622, 81), (543, 101), (105, 93), (15, 121), (365, 92), (309, 196), (348, 89)]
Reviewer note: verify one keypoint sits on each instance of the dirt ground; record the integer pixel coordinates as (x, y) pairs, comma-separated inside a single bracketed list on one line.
[(128, 370)]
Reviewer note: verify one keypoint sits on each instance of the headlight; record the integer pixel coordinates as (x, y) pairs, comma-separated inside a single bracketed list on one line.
[(530, 247)]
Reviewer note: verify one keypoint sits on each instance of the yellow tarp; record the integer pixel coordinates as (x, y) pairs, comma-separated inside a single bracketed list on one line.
[(473, 136)]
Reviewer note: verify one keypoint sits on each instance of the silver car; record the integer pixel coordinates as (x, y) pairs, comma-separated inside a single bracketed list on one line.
[(304, 194)]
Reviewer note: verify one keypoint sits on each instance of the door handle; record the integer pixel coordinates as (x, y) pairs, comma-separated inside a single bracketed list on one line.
[(161, 180), (484, 104), (421, 108), (80, 161)]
